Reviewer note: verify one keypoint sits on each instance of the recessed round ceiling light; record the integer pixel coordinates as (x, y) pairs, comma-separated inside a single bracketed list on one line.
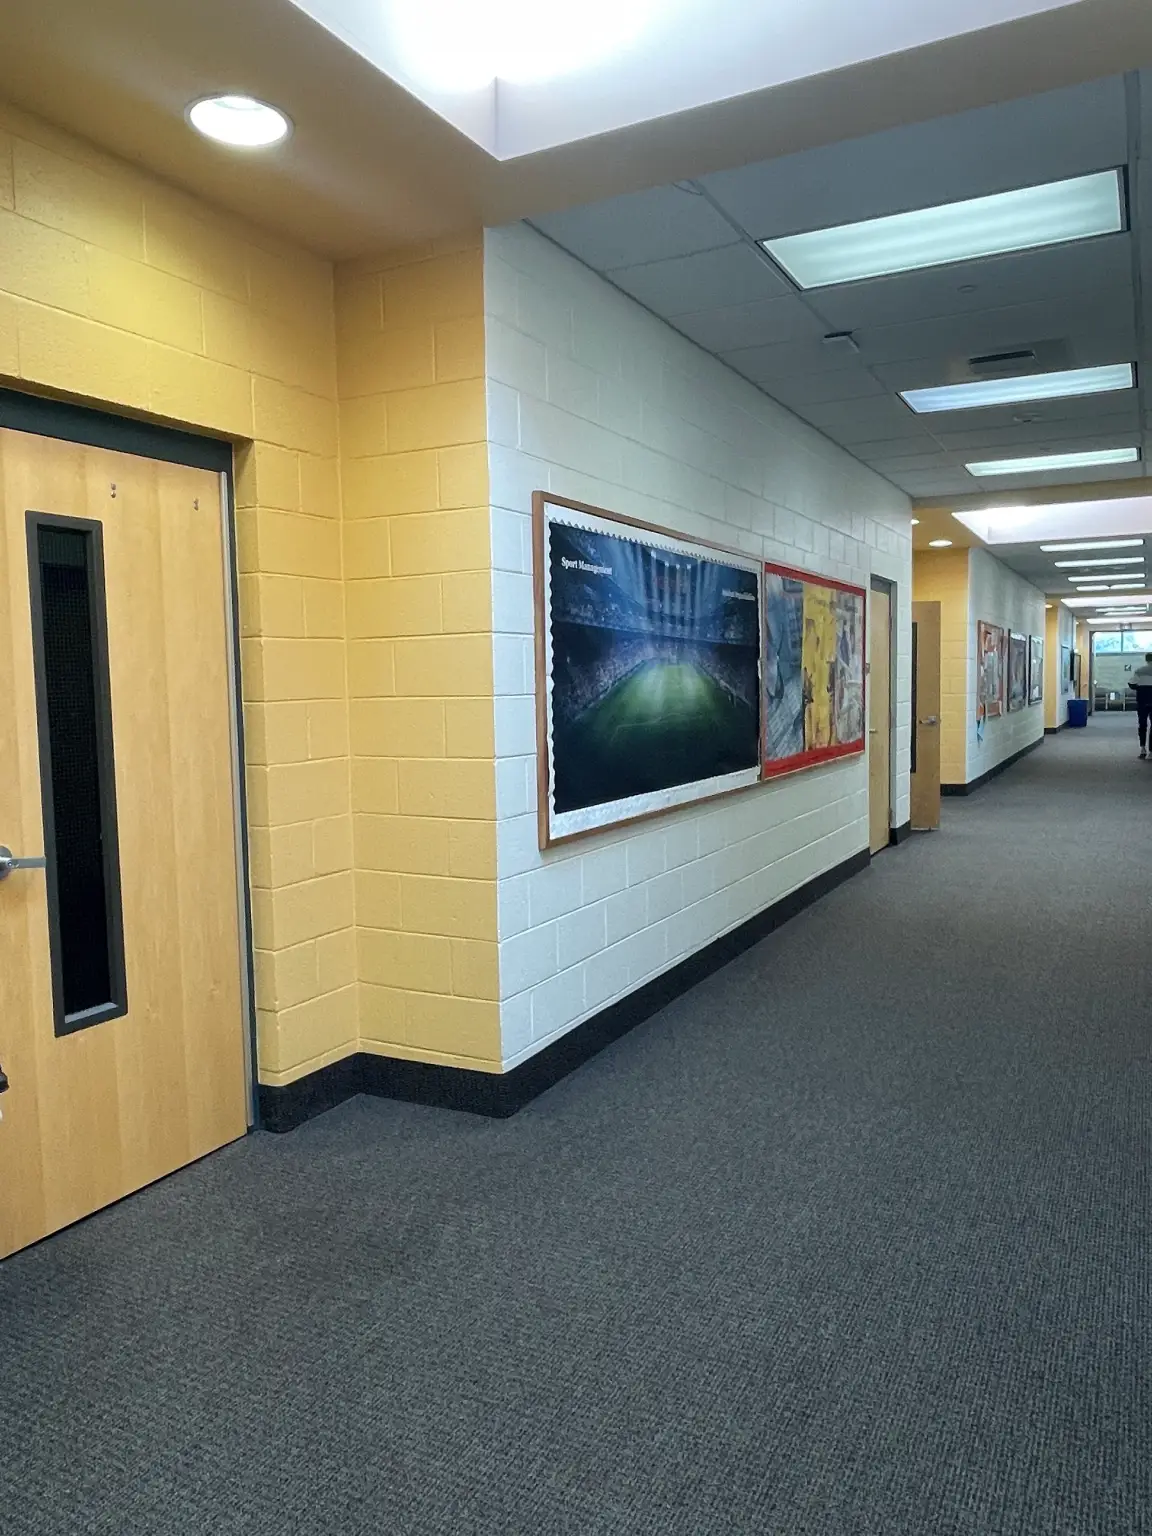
[(940, 543), (915, 522), (239, 121)]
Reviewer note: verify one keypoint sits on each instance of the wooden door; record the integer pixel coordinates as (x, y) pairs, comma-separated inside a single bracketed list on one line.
[(121, 1020), (879, 719), (925, 716)]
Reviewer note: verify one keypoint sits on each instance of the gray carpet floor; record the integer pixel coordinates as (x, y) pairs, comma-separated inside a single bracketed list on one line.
[(853, 1240)]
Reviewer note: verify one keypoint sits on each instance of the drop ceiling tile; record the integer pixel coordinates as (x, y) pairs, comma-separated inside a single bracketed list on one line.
[(1101, 320), (893, 447), (1119, 406), (640, 227), (992, 149), (707, 280), (768, 322), (1060, 436), (908, 464), (1068, 272), (858, 421), (820, 388), (764, 364), (934, 482)]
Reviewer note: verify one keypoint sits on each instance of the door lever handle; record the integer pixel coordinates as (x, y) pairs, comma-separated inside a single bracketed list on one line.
[(9, 861), (930, 720)]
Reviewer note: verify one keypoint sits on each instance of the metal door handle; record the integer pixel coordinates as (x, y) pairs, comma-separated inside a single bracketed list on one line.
[(930, 720), (9, 862)]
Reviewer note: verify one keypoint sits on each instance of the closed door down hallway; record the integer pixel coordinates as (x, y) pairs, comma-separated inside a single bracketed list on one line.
[(853, 1238)]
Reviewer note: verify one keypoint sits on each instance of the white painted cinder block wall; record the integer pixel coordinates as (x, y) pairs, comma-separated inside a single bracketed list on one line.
[(997, 595), (593, 398)]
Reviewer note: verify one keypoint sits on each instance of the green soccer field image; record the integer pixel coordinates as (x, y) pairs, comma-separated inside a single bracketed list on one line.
[(666, 723)]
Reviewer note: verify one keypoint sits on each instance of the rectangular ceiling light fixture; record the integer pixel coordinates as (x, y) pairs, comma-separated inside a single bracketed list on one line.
[(1101, 560), (1105, 576), (1022, 220), (1107, 602), (1060, 549), (1062, 385), (1099, 587), (1043, 463)]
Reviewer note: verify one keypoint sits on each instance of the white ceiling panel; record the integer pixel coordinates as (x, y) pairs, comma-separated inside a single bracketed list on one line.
[(644, 226), (1088, 411), (1102, 319), (735, 274), (909, 464), (858, 421), (764, 323), (991, 484), (994, 149), (762, 364), (934, 482), (1120, 431), (1066, 272), (819, 388), (894, 448)]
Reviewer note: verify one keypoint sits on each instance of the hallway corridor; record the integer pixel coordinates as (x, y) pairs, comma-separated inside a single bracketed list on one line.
[(853, 1240)]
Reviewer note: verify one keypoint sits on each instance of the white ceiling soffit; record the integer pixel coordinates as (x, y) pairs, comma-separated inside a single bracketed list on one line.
[(519, 76), (1114, 518), (691, 253), (371, 166)]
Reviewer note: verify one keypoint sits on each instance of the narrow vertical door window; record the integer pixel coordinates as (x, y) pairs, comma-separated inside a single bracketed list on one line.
[(69, 631)]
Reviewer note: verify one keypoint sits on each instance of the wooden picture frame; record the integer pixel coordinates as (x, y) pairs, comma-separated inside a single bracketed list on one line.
[(991, 667), (1017, 671), (807, 719), (648, 659)]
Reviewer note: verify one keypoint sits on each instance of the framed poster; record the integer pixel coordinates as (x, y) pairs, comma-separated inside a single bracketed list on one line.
[(990, 670), (647, 668), (814, 638), (1017, 671), (1035, 669), (1067, 669)]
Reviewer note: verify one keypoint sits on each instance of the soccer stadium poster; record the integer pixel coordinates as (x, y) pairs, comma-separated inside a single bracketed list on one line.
[(813, 670), (648, 669)]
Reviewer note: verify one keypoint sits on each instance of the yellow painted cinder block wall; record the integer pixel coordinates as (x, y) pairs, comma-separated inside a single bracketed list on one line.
[(417, 559), (941, 576), (1053, 697), (116, 290)]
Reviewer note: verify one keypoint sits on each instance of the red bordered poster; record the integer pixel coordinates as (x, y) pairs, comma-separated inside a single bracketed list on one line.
[(813, 679)]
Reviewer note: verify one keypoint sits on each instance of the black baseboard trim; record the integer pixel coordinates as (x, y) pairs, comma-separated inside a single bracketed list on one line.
[(1054, 730), (499, 1095), (975, 784), (898, 834)]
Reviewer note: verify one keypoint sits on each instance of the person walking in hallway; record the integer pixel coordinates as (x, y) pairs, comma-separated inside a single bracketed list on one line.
[(1142, 682)]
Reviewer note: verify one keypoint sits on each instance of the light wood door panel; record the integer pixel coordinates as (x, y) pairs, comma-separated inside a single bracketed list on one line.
[(926, 716), (879, 720), (97, 1114)]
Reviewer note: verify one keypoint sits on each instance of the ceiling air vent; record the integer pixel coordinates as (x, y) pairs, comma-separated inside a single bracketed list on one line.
[(1021, 361)]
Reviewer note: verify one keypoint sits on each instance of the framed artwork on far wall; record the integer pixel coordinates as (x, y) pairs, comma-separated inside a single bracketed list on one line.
[(1035, 669), (1067, 669), (647, 668), (1017, 671), (990, 661), (814, 639)]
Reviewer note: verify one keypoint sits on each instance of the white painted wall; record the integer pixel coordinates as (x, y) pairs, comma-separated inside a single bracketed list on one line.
[(1065, 636), (998, 596), (593, 398)]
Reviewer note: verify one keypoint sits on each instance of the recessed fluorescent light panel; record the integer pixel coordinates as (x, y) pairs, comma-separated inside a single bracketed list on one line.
[(1037, 386), (1101, 560), (1059, 549), (1078, 581), (1099, 587), (1022, 220), (1043, 463)]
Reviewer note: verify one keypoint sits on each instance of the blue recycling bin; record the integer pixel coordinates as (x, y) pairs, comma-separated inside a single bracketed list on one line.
[(1077, 711)]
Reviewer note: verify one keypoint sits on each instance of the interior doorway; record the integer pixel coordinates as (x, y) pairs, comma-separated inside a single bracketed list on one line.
[(879, 716), (123, 1032)]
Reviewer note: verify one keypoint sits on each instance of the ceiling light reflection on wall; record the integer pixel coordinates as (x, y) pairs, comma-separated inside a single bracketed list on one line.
[(1043, 463), (241, 122), (1062, 385), (1021, 220)]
